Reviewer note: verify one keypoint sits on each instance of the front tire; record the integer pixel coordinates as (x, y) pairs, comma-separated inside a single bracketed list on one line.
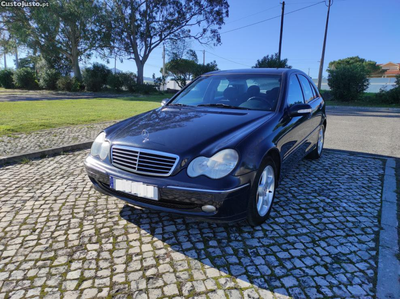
[(317, 152), (262, 193)]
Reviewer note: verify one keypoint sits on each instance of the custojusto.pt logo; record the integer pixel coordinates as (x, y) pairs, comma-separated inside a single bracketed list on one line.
[(23, 4)]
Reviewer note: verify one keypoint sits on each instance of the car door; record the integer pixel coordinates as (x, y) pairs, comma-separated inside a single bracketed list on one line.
[(313, 99), (295, 129)]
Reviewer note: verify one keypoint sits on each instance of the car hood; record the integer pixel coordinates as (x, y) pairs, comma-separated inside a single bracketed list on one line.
[(187, 130)]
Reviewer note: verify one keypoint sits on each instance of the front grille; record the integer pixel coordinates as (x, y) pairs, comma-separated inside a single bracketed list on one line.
[(143, 161)]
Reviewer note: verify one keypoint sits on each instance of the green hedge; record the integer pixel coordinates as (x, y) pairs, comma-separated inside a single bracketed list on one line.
[(6, 79), (25, 78)]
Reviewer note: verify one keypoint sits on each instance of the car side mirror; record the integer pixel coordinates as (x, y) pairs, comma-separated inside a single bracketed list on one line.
[(299, 110), (164, 102)]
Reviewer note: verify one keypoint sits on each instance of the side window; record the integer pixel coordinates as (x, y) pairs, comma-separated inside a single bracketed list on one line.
[(313, 91), (316, 93), (305, 85), (295, 95)]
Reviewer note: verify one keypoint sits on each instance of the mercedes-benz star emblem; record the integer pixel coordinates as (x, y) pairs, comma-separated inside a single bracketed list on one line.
[(145, 135)]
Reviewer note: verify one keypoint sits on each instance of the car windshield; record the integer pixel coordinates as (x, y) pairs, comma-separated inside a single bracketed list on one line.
[(237, 91)]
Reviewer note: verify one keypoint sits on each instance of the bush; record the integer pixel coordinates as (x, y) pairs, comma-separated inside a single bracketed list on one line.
[(25, 78), (128, 81), (397, 81), (114, 81), (76, 85), (95, 77), (64, 83), (389, 97), (144, 88), (48, 78), (326, 94), (6, 78), (348, 83)]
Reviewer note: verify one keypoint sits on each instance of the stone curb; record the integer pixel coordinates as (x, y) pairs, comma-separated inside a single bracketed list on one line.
[(360, 154), (388, 284), (44, 153)]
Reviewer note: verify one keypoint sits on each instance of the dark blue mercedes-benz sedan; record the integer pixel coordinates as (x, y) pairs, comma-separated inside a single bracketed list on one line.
[(217, 149)]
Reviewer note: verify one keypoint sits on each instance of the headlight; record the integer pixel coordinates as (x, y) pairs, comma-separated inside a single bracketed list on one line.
[(215, 167), (100, 146)]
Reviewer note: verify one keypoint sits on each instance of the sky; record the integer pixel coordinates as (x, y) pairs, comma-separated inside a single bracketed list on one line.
[(366, 28)]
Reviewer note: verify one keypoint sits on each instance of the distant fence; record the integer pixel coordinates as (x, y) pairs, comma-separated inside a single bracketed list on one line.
[(375, 84)]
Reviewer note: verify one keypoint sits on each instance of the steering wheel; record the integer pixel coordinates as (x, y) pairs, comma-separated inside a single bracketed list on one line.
[(260, 99)]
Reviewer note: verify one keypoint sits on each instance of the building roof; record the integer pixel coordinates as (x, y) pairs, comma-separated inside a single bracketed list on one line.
[(393, 63), (392, 72)]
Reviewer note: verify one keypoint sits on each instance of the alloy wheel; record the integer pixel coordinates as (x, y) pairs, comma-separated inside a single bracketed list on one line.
[(265, 191)]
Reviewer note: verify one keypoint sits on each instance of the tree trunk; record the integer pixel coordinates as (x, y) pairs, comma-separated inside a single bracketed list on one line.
[(140, 68), (75, 54), (5, 60), (16, 57), (75, 65)]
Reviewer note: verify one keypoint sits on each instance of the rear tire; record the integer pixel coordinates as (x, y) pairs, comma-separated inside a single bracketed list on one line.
[(317, 152), (262, 193)]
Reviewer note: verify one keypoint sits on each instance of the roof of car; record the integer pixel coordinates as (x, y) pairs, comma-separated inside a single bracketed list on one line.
[(266, 71)]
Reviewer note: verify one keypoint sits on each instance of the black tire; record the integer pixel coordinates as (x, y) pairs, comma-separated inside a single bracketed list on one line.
[(253, 216), (316, 153)]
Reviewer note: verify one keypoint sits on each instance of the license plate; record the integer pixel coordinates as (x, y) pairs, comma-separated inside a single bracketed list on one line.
[(135, 188)]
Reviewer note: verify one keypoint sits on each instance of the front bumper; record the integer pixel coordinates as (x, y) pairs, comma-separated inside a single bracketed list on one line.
[(178, 194)]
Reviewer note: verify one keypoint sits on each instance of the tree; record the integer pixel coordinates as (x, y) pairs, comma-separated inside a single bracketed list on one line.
[(7, 45), (64, 33), (179, 48), (96, 76), (272, 61), (370, 66), (202, 69), (139, 26), (348, 82), (181, 70), (29, 61), (183, 64)]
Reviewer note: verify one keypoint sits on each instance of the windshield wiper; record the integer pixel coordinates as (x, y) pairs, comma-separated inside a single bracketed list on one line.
[(177, 104), (222, 106)]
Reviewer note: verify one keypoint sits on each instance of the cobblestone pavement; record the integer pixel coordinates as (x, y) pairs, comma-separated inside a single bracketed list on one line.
[(61, 239), (45, 139)]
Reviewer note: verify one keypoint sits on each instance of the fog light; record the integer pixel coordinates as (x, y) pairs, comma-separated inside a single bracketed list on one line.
[(208, 209)]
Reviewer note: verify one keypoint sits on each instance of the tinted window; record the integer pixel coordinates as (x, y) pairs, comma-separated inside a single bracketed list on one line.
[(305, 85), (294, 95)]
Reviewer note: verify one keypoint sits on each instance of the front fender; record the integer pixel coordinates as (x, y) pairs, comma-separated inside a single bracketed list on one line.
[(256, 147)]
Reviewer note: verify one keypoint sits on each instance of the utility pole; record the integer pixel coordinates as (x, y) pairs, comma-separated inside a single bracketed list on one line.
[(204, 57), (321, 65), (280, 39), (163, 68)]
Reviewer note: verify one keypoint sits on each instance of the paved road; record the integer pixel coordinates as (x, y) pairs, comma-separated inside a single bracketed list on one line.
[(374, 131), (61, 239)]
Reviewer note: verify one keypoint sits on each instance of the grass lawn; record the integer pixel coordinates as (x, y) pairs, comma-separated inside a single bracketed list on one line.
[(28, 116)]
